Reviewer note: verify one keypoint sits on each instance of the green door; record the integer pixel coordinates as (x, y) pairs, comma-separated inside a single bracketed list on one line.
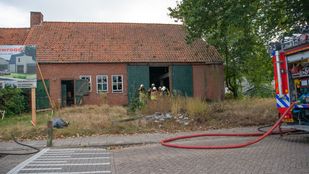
[(137, 75), (182, 80), (42, 101)]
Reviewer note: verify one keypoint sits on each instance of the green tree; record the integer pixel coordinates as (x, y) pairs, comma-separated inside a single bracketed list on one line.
[(240, 30)]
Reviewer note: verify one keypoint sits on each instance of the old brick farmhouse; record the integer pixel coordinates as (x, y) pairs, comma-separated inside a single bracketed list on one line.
[(116, 58)]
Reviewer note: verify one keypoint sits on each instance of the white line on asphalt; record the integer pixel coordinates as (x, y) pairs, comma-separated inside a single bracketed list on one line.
[(58, 168), (71, 164), (90, 172), (69, 153), (96, 153), (54, 156), (76, 149), (23, 164), (55, 159), (48, 161)]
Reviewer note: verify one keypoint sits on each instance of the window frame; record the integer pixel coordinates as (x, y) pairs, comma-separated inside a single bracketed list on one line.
[(90, 81), (116, 91), (97, 83)]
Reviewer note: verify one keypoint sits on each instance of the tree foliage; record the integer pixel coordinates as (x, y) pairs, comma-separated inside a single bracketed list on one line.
[(240, 30)]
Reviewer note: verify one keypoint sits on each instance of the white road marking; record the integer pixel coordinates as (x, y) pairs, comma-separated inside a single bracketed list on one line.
[(58, 168), (55, 156), (76, 153), (48, 162), (76, 149), (87, 158), (75, 158), (23, 164), (70, 164), (90, 172)]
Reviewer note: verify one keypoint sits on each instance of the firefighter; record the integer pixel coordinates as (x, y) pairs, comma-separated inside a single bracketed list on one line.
[(154, 94), (165, 91), (142, 94)]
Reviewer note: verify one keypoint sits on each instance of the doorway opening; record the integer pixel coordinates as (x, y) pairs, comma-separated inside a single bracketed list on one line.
[(159, 76), (67, 93)]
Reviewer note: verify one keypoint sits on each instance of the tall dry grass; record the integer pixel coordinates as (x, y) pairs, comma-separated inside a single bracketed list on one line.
[(229, 113), (90, 119), (244, 112)]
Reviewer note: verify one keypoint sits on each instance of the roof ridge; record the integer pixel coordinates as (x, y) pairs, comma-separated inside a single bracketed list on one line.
[(133, 23)]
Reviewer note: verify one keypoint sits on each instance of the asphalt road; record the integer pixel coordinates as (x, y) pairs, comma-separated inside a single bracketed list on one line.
[(274, 155)]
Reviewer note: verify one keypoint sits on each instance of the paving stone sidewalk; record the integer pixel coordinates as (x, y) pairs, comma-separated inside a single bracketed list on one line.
[(111, 140)]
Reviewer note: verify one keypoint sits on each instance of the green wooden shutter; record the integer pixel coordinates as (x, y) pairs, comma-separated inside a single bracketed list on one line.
[(81, 89), (182, 80), (137, 75), (42, 101)]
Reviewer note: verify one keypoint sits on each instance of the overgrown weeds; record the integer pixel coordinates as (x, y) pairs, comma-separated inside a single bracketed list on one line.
[(229, 113), (104, 119)]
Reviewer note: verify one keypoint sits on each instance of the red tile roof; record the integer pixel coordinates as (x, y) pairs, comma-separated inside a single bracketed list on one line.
[(13, 36), (67, 42)]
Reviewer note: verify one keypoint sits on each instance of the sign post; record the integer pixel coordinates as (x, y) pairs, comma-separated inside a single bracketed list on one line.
[(33, 107), (18, 70)]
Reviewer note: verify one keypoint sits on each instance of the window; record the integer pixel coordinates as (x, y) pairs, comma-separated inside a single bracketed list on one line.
[(88, 78), (117, 83), (102, 83)]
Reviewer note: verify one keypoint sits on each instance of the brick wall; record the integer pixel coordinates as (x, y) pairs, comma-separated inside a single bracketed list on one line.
[(208, 82), (57, 72), (36, 18)]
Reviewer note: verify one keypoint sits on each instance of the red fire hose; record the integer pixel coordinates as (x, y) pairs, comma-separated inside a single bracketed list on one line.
[(165, 142)]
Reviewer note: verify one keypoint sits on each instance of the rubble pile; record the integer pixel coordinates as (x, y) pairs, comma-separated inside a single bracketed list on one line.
[(161, 117)]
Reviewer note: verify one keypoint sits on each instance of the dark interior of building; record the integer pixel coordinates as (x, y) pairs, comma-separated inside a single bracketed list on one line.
[(159, 76), (67, 92)]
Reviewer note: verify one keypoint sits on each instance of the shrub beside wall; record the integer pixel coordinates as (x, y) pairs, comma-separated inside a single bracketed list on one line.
[(12, 101)]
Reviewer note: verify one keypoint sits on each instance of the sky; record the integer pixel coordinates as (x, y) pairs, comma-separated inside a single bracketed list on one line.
[(16, 13)]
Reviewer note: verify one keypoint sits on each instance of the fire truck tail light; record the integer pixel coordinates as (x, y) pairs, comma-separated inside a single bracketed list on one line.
[(288, 118)]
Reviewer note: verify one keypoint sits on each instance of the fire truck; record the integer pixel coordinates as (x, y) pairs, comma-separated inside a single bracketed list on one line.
[(291, 75)]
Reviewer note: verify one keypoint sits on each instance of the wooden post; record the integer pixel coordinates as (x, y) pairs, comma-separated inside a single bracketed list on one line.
[(49, 133), (33, 106)]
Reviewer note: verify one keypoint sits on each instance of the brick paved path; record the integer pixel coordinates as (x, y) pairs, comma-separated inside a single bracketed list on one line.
[(274, 155)]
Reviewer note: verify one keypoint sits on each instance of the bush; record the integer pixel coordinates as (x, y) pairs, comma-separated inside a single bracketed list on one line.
[(12, 101)]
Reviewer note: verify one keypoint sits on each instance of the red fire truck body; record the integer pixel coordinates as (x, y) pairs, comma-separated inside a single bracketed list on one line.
[(291, 74)]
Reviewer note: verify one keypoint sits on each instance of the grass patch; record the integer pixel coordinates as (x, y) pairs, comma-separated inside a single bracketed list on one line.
[(21, 127), (104, 119)]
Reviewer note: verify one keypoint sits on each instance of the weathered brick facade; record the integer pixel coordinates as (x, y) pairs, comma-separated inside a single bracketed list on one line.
[(208, 82), (67, 50), (57, 72)]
